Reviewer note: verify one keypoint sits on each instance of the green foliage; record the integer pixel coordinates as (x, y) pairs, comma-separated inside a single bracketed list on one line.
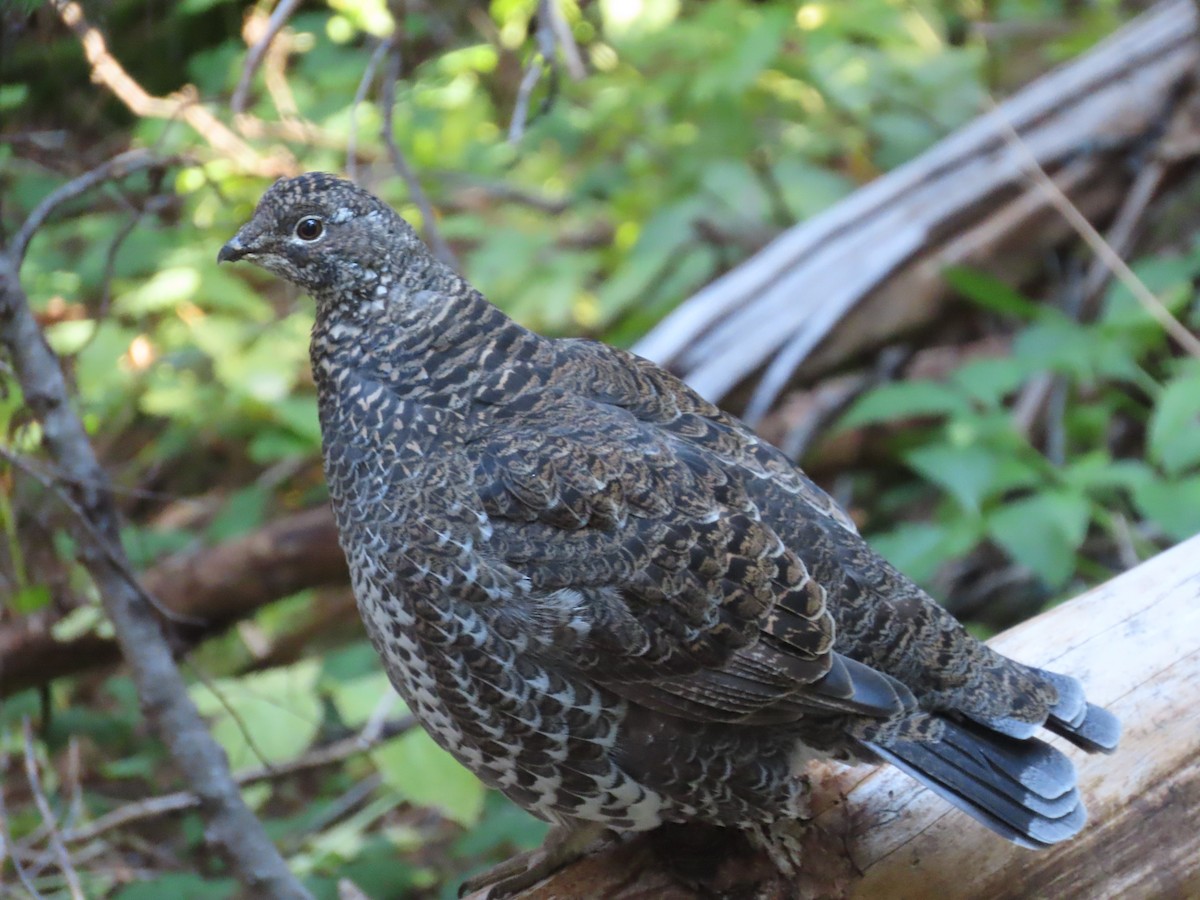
[(268, 717), (181, 885), (999, 488), (421, 771)]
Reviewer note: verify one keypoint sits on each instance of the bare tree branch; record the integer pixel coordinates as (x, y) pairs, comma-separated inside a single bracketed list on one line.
[(387, 102), (364, 85), (544, 57), (183, 104), (279, 17), (230, 825), (520, 116), (119, 166), (563, 37), (8, 848), (153, 807)]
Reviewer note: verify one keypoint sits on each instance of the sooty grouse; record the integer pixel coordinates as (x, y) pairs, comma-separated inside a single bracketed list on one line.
[(607, 598)]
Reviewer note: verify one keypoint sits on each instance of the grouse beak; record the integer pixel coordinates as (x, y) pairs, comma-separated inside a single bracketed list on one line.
[(233, 251)]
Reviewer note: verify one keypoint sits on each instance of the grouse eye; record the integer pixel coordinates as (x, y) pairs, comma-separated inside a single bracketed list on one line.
[(309, 228)]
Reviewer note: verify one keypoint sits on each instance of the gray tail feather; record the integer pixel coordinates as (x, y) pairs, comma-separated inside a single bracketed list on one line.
[(1084, 724), (1024, 790)]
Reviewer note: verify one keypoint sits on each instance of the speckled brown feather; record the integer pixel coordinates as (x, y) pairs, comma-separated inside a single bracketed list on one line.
[(605, 596)]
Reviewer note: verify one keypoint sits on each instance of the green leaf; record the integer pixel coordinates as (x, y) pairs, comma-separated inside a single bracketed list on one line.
[(1173, 437), (426, 774), (503, 825), (242, 512), (1173, 505), (164, 291), (807, 189), (1043, 532), (355, 699), (905, 400), (990, 292), (967, 473), (30, 598), (179, 886), (1059, 345), (989, 381), (267, 717), (68, 338), (1098, 472), (13, 95)]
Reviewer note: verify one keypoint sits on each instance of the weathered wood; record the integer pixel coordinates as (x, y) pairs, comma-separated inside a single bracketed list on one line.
[(870, 266), (1135, 644)]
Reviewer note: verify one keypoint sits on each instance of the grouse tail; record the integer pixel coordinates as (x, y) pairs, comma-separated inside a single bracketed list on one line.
[(1024, 790)]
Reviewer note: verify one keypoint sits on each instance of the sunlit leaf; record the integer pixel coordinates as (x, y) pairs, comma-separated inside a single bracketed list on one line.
[(426, 774), (266, 717)]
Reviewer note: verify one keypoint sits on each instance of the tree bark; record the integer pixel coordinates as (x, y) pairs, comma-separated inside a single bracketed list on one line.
[(878, 835)]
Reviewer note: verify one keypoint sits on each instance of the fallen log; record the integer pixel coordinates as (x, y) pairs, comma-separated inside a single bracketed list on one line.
[(216, 585), (1135, 643), (870, 267)]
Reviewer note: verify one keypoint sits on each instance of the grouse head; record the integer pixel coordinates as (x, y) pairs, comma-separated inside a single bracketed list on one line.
[(329, 237)]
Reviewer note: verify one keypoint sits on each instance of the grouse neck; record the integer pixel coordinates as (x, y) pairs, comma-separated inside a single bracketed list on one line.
[(421, 339)]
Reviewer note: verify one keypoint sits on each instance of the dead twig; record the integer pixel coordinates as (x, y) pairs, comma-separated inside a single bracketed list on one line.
[(48, 818), (279, 17), (74, 783), (183, 104), (387, 102), (1103, 249), (120, 166), (364, 85), (154, 807), (533, 74), (563, 37), (470, 192), (8, 848), (544, 57), (345, 804)]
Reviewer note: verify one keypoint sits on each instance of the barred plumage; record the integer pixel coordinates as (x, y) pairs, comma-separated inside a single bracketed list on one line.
[(606, 597)]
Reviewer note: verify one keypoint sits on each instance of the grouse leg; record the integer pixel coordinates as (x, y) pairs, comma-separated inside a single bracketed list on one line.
[(563, 844)]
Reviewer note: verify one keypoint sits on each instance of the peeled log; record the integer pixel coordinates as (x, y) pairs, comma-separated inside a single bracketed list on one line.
[(871, 266), (878, 835)]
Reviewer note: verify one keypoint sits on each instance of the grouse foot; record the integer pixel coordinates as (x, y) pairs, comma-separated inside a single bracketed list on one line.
[(563, 844)]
